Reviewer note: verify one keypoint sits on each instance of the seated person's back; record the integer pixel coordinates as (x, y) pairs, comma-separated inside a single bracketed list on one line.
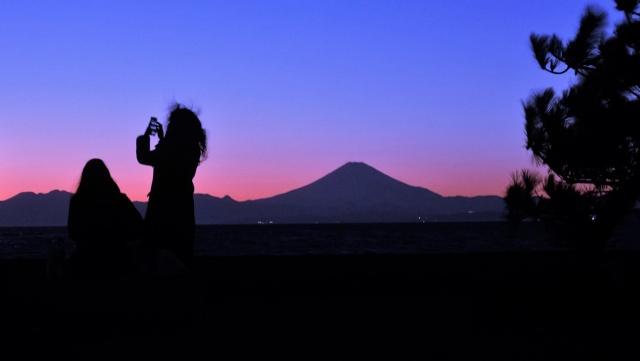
[(102, 222)]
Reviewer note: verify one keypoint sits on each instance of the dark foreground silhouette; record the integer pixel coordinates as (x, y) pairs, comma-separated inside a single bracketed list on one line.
[(103, 223), (169, 219), (108, 232), (464, 306)]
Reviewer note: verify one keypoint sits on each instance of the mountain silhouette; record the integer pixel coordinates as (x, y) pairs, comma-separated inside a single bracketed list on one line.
[(357, 184), (29, 209), (355, 192)]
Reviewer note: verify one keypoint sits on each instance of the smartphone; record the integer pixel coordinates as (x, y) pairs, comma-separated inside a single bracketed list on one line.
[(154, 125)]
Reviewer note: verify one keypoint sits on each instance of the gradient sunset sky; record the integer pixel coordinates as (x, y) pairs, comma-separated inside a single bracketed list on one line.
[(428, 92)]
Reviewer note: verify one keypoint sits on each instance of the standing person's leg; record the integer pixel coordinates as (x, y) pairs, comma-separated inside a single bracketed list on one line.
[(181, 241), (183, 230)]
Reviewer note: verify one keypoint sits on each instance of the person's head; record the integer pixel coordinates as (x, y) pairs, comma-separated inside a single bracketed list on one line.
[(184, 128), (96, 179)]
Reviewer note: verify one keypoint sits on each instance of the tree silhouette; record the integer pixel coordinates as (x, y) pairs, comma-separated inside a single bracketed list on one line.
[(589, 136), (520, 195)]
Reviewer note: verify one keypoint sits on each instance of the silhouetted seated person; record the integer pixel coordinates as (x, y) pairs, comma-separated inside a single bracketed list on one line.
[(102, 222)]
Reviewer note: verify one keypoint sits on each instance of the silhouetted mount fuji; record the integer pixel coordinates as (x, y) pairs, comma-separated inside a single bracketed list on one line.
[(354, 192), (356, 185)]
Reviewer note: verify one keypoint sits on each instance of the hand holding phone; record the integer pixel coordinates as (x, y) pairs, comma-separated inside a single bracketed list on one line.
[(154, 125)]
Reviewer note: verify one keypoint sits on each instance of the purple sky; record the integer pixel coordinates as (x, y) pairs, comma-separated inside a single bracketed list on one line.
[(428, 92)]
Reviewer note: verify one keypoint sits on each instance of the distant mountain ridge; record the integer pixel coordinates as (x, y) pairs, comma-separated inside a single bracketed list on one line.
[(353, 193), (29, 209)]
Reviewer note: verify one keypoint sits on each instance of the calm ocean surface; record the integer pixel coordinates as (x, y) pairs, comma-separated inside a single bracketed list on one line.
[(318, 239)]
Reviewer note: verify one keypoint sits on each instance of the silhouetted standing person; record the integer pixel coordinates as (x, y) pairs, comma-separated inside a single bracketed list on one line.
[(102, 222), (170, 219)]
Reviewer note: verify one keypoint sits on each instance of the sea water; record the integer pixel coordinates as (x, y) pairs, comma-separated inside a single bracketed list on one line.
[(319, 239)]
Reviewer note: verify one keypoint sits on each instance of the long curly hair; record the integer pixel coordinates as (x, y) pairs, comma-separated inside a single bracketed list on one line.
[(185, 128)]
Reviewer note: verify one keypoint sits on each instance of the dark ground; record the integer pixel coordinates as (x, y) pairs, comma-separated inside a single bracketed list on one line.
[(454, 306)]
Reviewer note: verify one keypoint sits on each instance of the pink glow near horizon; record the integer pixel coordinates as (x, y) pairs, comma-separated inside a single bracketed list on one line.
[(262, 183), (429, 94)]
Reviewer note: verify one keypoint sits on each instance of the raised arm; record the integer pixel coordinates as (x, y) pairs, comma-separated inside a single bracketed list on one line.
[(143, 153)]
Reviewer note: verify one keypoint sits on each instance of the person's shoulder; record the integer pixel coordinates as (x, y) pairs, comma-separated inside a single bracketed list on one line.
[(123, 197)]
